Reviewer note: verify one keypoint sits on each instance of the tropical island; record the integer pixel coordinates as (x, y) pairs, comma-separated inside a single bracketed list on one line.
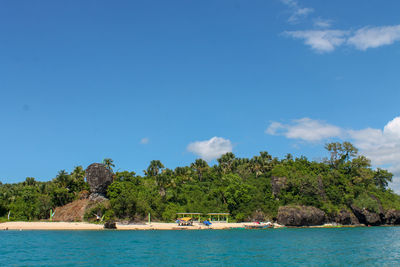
[(343, 189)]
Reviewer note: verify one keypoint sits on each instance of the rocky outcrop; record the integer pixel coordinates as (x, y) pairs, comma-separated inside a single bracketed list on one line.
[(392, 217), (98, 178), (277, 184), (367, 217), (300, 216), (345, 217)]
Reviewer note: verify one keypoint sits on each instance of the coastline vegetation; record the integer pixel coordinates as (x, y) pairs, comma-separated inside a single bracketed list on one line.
[(247, 188)]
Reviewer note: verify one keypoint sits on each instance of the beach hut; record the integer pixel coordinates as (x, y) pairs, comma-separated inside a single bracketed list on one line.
[(218, 217), (193, 215), (185, 221)]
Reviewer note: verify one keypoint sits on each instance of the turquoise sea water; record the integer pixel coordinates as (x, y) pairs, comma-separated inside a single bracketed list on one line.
[(374, 246)]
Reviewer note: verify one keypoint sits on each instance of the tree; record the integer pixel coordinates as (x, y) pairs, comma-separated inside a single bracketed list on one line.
[(109, 163), (382, 178), (78, 180), (154, 168), (226, 162), (30, 181), (200, 166), (63, 179), (340, 152), (261, 164)]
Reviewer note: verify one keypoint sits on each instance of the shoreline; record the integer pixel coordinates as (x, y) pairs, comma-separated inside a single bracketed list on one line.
[(145, 226), (91, 226)]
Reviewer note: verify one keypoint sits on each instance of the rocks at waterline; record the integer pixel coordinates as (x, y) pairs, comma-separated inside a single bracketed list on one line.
[(392, 217), (98, 178), (367, 217), (300, 216), (345, 217), (110, 225)]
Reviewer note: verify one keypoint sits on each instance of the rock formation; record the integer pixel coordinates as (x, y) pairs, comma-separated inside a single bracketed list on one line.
[(345, 217), (367, 217), (98, 178), (110, 225), (300, 216), (392, 217)]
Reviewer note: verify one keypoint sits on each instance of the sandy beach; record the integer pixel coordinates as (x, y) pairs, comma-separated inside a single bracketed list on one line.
[(90, 226), (174, 226), (50, 226)]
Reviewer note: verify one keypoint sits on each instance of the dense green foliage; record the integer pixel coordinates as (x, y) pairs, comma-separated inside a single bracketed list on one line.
[(243, 187), (32, 200)]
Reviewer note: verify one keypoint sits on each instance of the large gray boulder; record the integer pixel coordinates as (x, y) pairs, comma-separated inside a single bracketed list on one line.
[(345, 217), (300, 216), (98, 178), (392, 217), (367, 217)]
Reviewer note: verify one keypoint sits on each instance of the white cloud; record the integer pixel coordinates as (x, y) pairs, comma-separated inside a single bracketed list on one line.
[(210, 149), (322, 23), (297, 11), (300, 13), (328, 40), (381, 146), (372, 37), (320, 40), (144, 140), (305, 129)]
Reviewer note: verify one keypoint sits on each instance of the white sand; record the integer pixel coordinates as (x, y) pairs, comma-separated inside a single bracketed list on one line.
[(174, 226), (50, 226)]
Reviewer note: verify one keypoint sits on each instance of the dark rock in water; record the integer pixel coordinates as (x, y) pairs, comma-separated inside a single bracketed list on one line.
[(392, 217), (110, 225), (300, 216), (98, 178), (367, 217), (277, 184), (345, 217)]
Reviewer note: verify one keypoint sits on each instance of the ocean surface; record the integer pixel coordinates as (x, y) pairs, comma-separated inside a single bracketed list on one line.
[(373, 246)]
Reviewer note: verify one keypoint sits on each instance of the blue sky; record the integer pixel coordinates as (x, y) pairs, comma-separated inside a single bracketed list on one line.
[(177, 80)]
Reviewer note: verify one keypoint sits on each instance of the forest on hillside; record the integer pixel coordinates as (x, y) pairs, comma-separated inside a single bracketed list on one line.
[(244, 187)]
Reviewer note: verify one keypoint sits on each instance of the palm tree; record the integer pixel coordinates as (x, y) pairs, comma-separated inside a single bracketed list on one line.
[(78, 173), (154, 168), (200, 166), (261, 164), (30, 181), (225, 162), (108, 163), (183, 174)]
